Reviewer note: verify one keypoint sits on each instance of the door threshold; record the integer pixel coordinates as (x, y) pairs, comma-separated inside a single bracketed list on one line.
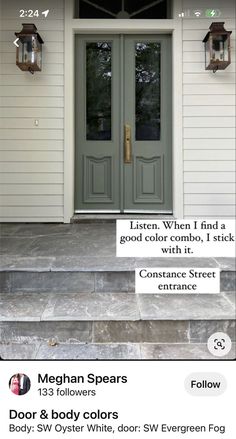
[(112, 217)]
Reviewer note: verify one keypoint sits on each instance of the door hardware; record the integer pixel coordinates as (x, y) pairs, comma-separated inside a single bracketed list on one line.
[(127, 145)]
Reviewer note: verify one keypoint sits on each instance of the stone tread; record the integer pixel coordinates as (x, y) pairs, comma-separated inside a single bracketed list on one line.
[(110, 351), (110, 263), (79, 247), (26, 306)]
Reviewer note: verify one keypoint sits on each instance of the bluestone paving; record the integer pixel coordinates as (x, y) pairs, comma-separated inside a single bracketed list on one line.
[(5, 282), (115, 306), (96, 351), (77, 245), (26, 263), (181, 352), (181, 307), (56, 331), (174, 262), (115, 282), (227, 264), (228, 281), (232, 300), (89, 352), (140, 331), (22, 306), (16, 245), (19, 351), (200, 331), (85, 240), (92, 263), (40, 230), (64, 283), (91, 307), (61, 282)]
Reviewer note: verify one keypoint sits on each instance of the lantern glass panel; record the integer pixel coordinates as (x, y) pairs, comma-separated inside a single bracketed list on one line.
[(36, 57), (39, 55), (208, 52), (25, 50), (227, 49), (219, 52)]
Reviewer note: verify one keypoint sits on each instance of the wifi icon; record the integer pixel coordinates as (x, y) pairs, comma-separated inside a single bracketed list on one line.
[(197, 13)]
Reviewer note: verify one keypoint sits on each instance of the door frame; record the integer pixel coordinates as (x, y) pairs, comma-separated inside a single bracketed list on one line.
[(91, 26)]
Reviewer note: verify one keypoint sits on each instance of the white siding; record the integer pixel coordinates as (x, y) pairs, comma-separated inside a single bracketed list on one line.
[(31, 157), (208, 119)]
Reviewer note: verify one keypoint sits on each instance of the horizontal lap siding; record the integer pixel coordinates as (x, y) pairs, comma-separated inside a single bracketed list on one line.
[(31, 154), (208, 120)]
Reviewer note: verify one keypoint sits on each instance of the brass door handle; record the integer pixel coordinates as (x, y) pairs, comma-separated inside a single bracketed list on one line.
[(127, 144)]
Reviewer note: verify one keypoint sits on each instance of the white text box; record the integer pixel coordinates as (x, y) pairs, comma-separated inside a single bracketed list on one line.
[(175, 238), (177, 280)]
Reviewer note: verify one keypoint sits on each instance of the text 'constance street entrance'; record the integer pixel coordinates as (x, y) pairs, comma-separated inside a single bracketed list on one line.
[(123, 123)]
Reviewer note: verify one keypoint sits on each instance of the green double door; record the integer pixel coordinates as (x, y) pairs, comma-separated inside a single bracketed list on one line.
[(123, 123)]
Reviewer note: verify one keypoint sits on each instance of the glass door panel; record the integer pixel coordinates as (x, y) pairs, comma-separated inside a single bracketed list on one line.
[(97, 120), (148, 90), (147, 111), (98, 90)]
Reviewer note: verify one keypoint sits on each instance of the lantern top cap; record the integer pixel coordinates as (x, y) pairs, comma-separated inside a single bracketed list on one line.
[(29, 29), (217, 27)]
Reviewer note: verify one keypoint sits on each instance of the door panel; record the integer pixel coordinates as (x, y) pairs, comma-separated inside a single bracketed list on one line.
[(97, 179), (123, 123), (147, 91), (97, 164), (148, 180)]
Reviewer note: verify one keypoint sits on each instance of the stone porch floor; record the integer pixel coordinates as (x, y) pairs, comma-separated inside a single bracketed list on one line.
[(73, 247)]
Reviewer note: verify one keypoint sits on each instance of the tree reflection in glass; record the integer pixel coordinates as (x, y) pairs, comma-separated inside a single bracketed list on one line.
[(147, 75), (98, 90)]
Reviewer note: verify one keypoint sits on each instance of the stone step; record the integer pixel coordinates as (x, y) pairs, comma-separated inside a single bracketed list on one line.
[(80, 258), (105, 351), (114, 318), (22, 306), (94, 274), (64, 295)]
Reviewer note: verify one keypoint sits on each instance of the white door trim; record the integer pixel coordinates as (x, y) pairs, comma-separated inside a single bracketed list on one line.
[(73, 26)]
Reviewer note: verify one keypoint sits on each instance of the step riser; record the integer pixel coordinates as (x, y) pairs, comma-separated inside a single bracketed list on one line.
[(150, 331), (84, 282)]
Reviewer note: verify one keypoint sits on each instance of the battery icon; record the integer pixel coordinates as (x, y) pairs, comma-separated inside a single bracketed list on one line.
[(212, 13)]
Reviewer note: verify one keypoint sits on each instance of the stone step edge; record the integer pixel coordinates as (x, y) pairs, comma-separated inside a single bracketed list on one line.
[(94, 320), (108, 269), (224, 293), (108, 343), (92, 263)]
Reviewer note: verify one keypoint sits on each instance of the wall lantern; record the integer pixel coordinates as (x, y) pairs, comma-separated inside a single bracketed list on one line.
[(29, 52), (217, 47)]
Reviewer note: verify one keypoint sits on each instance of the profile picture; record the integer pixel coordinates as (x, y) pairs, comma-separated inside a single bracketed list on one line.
[(19, 384)]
